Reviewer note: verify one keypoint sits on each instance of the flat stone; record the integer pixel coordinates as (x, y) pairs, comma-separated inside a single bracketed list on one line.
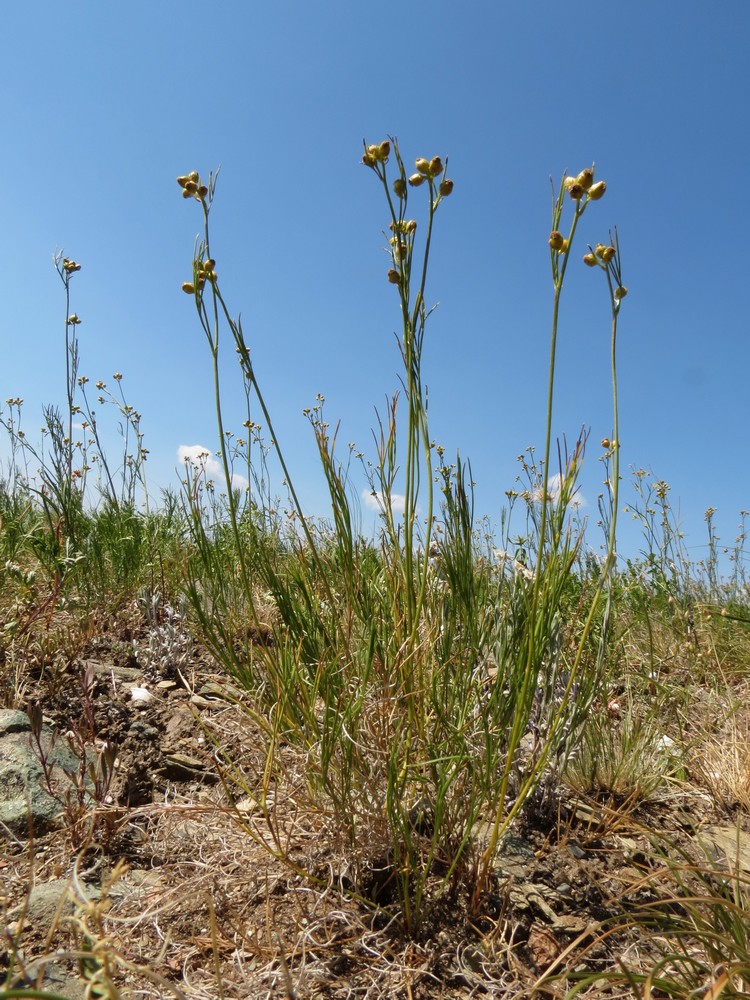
[(25, 800), (12, 721), (728, 845)]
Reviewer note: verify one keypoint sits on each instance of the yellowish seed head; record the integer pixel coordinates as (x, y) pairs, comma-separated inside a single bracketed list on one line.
[(436, 166), (590, 259), (620, 292), (586, 178), (188, 288), (422, 165), (384, 150), (416, 179), (556, 240), (597, 190)]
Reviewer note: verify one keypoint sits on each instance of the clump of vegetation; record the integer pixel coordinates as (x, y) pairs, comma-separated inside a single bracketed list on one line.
[(415, 700)]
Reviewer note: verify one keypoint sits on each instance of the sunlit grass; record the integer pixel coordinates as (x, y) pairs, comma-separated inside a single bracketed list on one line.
[(439, 681)]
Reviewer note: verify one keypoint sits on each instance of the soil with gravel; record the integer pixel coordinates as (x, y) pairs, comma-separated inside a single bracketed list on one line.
[(222, 897)]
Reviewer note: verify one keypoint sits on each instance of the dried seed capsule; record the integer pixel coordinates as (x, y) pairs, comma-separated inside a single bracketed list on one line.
[(620, 292), (446, 187), (556, 240), (188, 288), (597, 190), (416, 179), (586, 178), (399, 187), (590, 259), (393, 276), (422, 165), (384, 150), (436, 166)]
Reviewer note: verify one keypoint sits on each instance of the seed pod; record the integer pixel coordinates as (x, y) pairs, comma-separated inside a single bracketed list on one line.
[(422, 165), (575, 191), (606, 443), (446, 187), (188, 288), (182, 181), (556, 240), (620, 292), (436, 166), (368, 159), (393, 276), (586, 178), (597, 190), (590, 259), (384, 150), (399, 187), (416, 179)]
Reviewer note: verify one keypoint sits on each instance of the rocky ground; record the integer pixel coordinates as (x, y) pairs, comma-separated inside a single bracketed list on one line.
[(156, 858)]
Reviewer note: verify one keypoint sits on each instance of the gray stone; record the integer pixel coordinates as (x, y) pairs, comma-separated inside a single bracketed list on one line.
[(25, 799), (12, 721)]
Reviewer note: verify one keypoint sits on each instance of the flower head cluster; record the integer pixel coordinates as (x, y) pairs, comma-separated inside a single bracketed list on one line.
[(203, 271), (583, 187), (606, 256), (428, 170), (377, 154), (192, 187)]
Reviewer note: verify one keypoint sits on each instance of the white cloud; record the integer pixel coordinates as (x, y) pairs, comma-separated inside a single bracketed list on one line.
[(375, 500), (554, 486), (205, 463)]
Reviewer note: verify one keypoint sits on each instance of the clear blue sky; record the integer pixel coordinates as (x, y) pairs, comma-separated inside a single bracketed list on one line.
[(104, 104)]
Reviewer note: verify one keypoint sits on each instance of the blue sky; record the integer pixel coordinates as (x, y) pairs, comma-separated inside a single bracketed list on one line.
[(104, 106)]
